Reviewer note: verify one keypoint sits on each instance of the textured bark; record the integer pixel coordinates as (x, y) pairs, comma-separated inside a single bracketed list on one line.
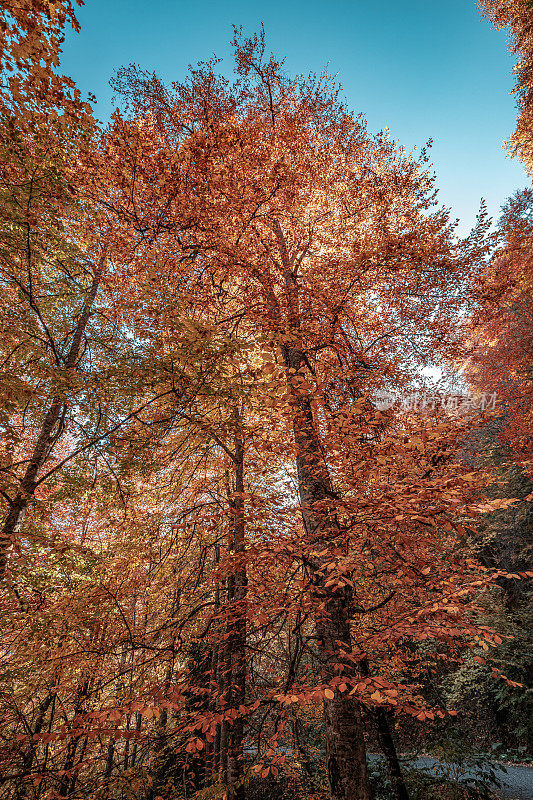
[(164, 757), (49, 702), (346, 754), (224, 692), (232, 658), (119, 686), (81, 756), (109, 760), (138, 725), (66, 780), (345, 745), (213, 751), (50, 432), (217, 765)]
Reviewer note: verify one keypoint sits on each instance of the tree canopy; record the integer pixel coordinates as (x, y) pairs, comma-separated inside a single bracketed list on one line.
[(224, 559)]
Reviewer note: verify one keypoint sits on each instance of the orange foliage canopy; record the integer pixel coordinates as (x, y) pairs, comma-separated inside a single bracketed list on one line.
[(501, 357), (31, 34), (256, 536), (515, 15), (327, 249)]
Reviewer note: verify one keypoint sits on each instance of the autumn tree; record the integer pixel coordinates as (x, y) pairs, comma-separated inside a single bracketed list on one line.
[(515, 16), (291, 198), (498, 361), (61, 395), (240, 534), (499, 357), (42, 122)]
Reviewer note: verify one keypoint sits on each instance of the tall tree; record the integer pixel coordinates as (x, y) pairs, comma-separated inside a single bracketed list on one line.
[(499, 356), (340, 263)]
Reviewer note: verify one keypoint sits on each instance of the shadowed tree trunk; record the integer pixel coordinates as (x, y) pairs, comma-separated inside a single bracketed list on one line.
[(237, 620), (388, 748)]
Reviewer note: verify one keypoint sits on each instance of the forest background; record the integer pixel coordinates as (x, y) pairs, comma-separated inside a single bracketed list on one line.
[(266, 406)]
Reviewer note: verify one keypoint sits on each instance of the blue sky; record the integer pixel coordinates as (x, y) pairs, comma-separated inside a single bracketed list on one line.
[(420, 68)]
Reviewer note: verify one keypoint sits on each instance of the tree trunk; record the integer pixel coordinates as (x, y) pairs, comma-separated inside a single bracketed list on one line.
[(213, 750), (29, 757), (119, 687), (237, 621), (386, 742), (163, 755), (138, 724), (388, 748), (224, 690), (345, 745), (68, 780), (75, 773)]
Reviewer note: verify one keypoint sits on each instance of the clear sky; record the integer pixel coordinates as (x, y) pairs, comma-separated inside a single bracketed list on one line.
[(422, 68)]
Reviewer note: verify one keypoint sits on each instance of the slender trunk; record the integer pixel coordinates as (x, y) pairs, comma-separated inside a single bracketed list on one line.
[(217, 760), (237, 640), (69, 779), (388, 748), (127, 745), (49, 701), (28, 759), (51, 431), (345, 745), (66, 779), (213, 749), (118, 692), (224, 683), (138, 723), (43, 766), (162, 754), (109, 759), (386, 742), (76, 770)]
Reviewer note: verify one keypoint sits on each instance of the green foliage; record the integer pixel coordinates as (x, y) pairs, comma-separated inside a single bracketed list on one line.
[(461, 775), (480, 691), (379, 780)]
